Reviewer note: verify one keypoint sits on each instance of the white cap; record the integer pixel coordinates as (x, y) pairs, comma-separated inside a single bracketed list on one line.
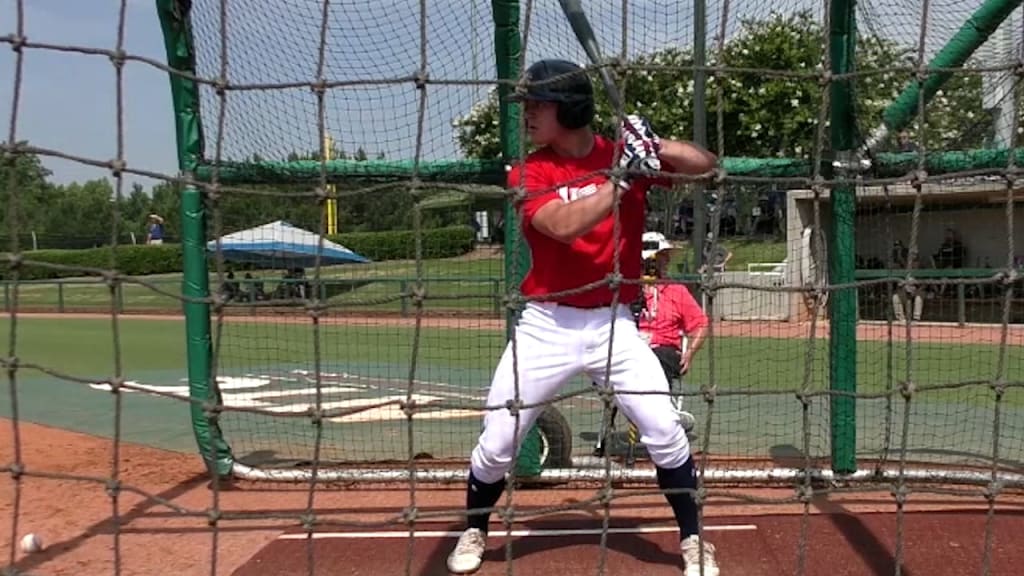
[(655, 242)]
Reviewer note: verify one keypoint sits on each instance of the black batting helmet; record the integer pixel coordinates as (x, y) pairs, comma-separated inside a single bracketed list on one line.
[(563, 82)]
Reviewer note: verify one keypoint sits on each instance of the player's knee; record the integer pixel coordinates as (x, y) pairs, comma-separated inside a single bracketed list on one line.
[(667, 443), (490, 465)]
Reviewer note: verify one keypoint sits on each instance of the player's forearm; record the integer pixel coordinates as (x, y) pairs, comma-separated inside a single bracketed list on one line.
[(567, 221), (687, 157), (695, 341)]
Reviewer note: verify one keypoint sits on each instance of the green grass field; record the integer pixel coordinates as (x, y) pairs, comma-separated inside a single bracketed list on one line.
[(460, 362), (758, 376), (85, 348)]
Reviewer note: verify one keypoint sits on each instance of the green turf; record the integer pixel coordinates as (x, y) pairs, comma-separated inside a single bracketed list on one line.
[(85, 347), (782, 364), (153, 352)]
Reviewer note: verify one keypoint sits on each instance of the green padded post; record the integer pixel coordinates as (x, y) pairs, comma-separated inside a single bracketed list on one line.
[(177, 31), (507, 48), (842, 260)]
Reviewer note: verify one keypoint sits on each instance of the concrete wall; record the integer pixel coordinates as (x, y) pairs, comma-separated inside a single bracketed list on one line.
[(750, 303)]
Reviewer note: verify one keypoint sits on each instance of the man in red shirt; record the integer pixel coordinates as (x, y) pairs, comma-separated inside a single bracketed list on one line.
[(670, 313), (568, 208)]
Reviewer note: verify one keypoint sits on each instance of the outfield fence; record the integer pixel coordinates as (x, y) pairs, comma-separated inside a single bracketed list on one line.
[(475, 295), (960, 297)]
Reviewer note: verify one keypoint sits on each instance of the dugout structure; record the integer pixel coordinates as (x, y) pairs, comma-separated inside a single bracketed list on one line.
[(246, 75), (971, 213)]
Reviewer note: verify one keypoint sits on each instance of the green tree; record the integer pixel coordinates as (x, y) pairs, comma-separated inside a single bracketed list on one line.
[(133, 211), (764, 114), (82, 213), (23, 183)]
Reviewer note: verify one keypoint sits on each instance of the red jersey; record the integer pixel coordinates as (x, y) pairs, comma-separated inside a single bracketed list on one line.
[(557, 266), (670, 312)]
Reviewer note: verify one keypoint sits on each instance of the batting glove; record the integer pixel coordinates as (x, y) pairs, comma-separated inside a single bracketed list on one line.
[(637, 132), (637, 127), (640, 147), (638, 155)]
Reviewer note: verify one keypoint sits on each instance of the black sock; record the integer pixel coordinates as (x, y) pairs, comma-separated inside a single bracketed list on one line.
[(482, 495), (683, 505)]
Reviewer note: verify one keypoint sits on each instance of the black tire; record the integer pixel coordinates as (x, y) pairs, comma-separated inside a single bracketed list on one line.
[(555, 438)]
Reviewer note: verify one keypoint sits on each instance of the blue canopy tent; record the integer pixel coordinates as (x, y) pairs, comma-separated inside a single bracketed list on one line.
[(281, 245)]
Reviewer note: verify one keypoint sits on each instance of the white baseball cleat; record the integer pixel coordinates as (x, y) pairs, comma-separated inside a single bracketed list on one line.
[(690, 548), (468, 553)]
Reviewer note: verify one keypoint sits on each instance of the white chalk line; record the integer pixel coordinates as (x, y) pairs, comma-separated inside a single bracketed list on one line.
[(515, 533)]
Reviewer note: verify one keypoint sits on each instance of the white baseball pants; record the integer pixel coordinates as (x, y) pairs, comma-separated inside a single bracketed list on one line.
[(555, 343)]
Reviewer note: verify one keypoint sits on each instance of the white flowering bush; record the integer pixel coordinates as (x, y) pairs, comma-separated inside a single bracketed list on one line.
[(477, 132)]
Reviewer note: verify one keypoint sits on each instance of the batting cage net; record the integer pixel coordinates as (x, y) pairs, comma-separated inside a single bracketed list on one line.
[(381, 115), (855, 251)]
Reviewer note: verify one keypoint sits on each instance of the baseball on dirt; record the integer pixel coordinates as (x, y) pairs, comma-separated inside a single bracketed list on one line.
[(31, 543)]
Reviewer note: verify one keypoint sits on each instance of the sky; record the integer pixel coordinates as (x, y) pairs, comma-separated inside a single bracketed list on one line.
[(68, 100)]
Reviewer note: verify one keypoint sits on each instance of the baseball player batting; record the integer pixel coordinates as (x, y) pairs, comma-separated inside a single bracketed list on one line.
[(568, 223)]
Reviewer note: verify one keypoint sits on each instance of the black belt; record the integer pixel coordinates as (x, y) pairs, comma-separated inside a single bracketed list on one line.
[(588, 307)]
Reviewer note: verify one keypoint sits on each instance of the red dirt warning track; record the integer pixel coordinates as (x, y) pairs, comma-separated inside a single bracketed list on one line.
[(163, 523), (935, 544)]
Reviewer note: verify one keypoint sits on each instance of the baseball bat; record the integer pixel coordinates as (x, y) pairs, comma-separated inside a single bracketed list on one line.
[(573, 10)]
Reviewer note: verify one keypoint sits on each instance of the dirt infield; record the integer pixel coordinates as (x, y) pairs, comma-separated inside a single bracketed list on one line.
[(164, 510), (75, 518), (880, 331)]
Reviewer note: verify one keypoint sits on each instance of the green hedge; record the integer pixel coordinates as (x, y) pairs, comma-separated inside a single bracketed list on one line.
[(401, 244), (141, 260), (135, 260)]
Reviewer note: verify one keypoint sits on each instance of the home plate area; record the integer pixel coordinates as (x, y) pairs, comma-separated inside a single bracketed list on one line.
[(837, 544), (537, 547), (293, 391)]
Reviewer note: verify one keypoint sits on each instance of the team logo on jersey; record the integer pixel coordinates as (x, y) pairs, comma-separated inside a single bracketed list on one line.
[(569, 194)]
